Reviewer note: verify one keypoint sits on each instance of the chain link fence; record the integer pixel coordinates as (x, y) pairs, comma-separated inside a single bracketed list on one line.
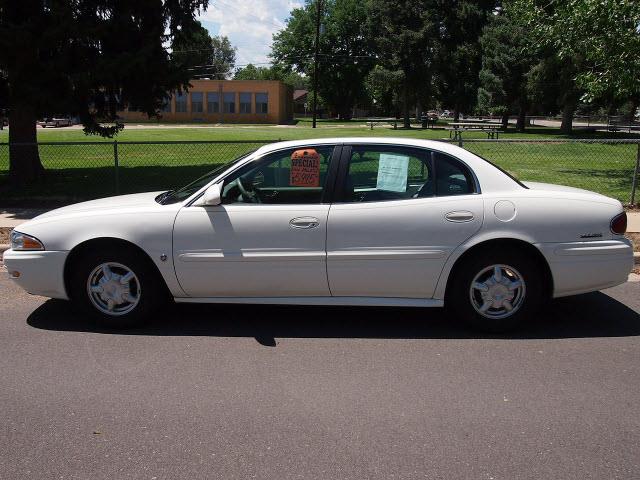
[(83, 170)]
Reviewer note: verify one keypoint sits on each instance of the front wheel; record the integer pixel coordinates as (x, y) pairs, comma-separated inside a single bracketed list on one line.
[(116, 288), (496, 290)]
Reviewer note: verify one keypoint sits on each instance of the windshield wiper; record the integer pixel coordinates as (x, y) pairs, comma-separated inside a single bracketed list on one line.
[(163, 196)]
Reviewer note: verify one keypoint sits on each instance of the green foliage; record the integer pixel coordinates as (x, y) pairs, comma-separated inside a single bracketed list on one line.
[(406, 34), (91, 57), (459, 57), (275, 72), (506, 62), (345, 56), (198, 53), (604, 33)]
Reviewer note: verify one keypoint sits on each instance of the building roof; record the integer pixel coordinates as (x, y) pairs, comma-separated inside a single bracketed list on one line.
[(299, 95)]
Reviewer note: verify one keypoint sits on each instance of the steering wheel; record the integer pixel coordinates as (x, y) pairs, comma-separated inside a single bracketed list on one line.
[(249, 196)]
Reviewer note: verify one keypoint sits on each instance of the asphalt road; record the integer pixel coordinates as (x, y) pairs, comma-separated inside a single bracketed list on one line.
[(320, 393)]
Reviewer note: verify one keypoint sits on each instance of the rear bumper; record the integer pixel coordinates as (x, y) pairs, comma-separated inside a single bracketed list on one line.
[(40, 272), (580, 267)]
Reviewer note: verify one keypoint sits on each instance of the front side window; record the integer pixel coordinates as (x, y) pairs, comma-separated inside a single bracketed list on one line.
[(381, 173), (292, 176), (229, 102), (196, 102), (262, 102), (245, 103), (213, 102), (181, 103)]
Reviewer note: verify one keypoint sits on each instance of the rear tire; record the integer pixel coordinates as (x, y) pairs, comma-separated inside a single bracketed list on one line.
[(496, 290), (116, 288)]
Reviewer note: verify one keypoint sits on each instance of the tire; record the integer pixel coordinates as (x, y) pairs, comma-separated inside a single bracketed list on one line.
[(124, 295), (496, 290)]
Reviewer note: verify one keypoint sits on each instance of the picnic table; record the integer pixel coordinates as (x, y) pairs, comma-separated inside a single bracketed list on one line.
[(374, 122), (456, 129)]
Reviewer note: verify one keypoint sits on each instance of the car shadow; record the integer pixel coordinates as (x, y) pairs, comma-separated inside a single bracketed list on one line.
[(589, 315)]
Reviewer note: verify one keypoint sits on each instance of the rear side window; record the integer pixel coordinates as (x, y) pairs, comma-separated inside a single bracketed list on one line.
[(381, 173), (452, 176)]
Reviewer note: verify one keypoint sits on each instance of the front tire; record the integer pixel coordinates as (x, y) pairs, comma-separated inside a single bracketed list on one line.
[(116, 288), (496, 290)]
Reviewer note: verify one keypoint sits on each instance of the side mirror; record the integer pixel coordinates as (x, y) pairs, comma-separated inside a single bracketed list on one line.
[(212, 197)]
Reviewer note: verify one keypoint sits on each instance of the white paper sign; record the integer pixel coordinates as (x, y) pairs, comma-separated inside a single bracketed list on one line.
[(393, 171)]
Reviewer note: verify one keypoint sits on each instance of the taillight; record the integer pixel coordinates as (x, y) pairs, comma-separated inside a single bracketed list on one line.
[(619, 224)]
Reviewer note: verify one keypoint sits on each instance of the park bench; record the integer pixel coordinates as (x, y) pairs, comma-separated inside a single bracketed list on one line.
[(456, 129), (620, 125)]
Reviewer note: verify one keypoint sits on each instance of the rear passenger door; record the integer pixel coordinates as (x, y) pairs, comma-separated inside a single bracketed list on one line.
[(399, 214)]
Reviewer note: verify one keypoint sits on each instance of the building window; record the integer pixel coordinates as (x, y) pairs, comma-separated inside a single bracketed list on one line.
[(245, 103), (213, 102), (229, 102), (196, 102), (262, 102), (181, 103)]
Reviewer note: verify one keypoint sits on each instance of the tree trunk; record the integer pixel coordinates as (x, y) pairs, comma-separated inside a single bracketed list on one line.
[(521, 119), (24, 160), (456, 115), (566, 127), (405, 105), (635, 101), (505, 120)]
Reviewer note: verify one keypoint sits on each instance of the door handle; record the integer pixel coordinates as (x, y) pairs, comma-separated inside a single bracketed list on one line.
[(304, 222), (459, 216)]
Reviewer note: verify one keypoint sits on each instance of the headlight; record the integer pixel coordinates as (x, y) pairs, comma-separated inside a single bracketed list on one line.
[(22, 241)]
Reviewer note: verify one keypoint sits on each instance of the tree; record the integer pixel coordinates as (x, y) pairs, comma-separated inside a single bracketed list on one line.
[(505, 65), (459, 58), (406, 33), (345, 51), (552, 86), (605, 34), (87, 58), (275, 72), (202, 55)]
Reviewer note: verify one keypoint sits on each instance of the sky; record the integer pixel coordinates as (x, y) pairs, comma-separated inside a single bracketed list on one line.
[(249, 24)]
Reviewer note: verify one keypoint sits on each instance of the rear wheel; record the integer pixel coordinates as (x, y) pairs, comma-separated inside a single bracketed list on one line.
[(116, 288), (496, 290)]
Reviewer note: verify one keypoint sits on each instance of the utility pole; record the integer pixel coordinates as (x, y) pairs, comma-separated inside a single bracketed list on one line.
[(315, 63)]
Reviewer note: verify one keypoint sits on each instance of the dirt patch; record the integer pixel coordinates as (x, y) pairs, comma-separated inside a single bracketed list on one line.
[(635, 238), (4, 235)]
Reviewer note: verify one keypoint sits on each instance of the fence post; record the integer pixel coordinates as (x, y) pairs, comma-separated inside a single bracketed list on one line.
[(116, 172), (636, 171), (460, 143)]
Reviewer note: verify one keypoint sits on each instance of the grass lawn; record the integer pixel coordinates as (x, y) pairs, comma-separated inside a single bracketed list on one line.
[(76, 172)]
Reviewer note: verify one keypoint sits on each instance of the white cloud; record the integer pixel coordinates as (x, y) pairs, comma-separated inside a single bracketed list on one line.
[(249, 24)]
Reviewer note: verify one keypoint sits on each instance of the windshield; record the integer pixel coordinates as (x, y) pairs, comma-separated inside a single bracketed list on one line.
[(175, 196)]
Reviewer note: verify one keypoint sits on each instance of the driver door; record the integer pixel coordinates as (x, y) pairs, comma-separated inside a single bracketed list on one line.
[(268, 237)]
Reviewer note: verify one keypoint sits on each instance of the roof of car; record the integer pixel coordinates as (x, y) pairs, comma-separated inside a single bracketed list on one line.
[(358, 140)]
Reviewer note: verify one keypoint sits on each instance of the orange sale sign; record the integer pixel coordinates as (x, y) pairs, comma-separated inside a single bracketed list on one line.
[(305, 168)]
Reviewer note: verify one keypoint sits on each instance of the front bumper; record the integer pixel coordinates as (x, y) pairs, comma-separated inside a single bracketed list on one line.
[(580, 267), (41, 272)]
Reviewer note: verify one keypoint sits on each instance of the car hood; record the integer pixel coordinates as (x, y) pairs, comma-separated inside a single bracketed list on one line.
[(120, 202)]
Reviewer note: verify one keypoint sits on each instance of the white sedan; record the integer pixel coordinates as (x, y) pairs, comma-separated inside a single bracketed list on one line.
[(343, 221)]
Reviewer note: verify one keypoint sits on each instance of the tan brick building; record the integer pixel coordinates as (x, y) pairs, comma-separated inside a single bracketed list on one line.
[(226, 101)]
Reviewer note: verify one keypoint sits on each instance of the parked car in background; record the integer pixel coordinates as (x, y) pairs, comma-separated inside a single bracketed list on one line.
[(445, 114), (340, 221), (432, 115), (55, 122)]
